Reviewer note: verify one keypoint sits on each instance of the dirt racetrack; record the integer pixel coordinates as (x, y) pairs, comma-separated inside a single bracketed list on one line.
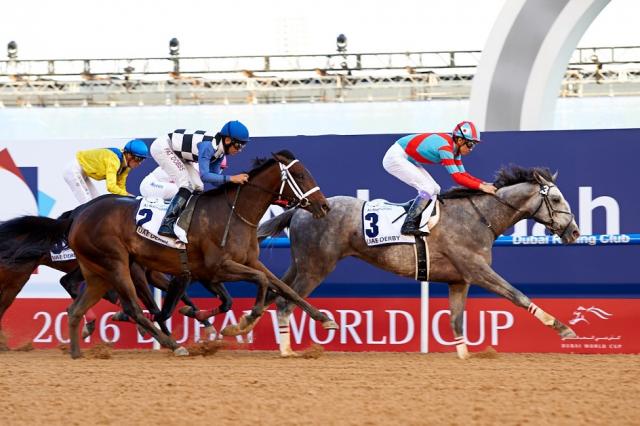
[(243, 387)]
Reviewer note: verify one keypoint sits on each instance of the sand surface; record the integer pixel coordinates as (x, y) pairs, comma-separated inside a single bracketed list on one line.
[(250, 387)]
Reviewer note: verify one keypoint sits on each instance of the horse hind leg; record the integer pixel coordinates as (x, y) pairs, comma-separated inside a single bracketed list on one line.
[(303, 282), (12, 283), (457, 301), (96, 287), (126, 290)]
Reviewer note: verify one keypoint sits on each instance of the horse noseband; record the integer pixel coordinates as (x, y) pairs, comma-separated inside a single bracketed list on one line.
[(544, 193), (287, 179)]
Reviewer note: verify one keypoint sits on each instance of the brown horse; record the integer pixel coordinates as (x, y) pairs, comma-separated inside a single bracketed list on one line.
[(222, 244), (16, 267)]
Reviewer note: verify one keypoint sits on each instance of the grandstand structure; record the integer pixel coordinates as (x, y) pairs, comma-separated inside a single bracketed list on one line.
[(333, 77)]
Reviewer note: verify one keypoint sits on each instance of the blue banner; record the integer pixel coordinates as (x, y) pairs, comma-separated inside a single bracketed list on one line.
[(597, 175)]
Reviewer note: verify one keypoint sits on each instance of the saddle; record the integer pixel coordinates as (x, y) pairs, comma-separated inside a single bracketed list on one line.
[(149, 217), (381, 223), (382, 220)]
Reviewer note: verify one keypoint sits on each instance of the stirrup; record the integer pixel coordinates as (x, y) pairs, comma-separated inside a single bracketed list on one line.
[(165, 233)]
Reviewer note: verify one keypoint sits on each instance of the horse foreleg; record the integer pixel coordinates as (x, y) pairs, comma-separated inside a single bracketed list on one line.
[(288, 293), (487, 278), (234, 271), (71, 282), (457, 300)]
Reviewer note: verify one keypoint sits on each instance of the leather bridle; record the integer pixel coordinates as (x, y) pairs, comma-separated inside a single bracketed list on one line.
[(544, 200)]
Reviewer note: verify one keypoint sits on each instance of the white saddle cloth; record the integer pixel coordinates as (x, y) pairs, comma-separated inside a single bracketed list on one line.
[(61, 252), (149, 218), (382, 220)]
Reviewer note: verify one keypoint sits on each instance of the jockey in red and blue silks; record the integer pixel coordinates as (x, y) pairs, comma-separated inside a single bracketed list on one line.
[(404, 160)]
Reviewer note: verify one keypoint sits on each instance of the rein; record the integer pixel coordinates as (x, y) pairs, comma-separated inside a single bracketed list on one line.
[(544, 199), (300, 198)]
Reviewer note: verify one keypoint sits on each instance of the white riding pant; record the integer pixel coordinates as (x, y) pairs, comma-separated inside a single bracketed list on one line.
[(81, 185), (158, 184), (185, 174), (396, 162)]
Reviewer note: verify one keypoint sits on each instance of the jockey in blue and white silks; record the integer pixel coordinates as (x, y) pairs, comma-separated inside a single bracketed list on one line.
[(404, 160), (177, 154)]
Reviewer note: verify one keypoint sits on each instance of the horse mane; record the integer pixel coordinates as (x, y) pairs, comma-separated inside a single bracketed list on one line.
[(258, 165), (506, 176)]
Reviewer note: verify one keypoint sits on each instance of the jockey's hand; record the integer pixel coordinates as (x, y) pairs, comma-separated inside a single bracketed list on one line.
[(488, 188), (240, 179)]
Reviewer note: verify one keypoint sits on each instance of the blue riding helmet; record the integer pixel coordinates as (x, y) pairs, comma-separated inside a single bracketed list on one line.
[(235, 130), (137, 147)]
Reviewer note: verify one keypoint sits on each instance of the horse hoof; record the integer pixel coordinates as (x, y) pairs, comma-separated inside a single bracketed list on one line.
[(210, 331), (330, 325), (88, 329), (77, 355), (187, 311), (181, 351), (289, 354), (231, 330), (463, 352), (567, 333), (120, 316)]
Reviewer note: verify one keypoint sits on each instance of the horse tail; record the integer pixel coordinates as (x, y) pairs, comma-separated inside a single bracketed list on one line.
[(275, 225), (28, 238)]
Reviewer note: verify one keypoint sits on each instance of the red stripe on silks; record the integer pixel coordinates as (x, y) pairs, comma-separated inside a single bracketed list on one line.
[(448, 138), (465, 180), (458, 162), (447, 162), (473, 178), (412, 148), (446, 148)]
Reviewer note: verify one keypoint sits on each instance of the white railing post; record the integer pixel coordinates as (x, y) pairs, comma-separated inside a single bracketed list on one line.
[(424, 317)]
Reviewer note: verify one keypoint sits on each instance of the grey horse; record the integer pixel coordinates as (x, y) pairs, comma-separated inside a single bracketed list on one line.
[(459, 246)]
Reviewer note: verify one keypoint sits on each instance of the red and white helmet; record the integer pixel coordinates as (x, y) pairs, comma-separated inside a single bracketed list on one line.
[(466, 130)]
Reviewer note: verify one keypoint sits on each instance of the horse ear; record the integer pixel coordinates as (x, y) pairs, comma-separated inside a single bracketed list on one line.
[(555, 176), (541, 180)]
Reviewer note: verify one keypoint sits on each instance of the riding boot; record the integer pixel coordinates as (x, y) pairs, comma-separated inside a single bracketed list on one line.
[(411, 225), (173, 212)]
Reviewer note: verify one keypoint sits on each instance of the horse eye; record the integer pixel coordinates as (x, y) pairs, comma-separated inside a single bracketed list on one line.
[(555, 200)]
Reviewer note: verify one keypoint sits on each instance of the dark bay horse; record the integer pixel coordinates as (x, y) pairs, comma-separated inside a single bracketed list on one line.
[(459, 246), (222, 244), (17, 265)]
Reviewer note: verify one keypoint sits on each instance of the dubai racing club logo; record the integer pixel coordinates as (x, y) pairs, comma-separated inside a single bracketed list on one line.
[(16, 182)]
